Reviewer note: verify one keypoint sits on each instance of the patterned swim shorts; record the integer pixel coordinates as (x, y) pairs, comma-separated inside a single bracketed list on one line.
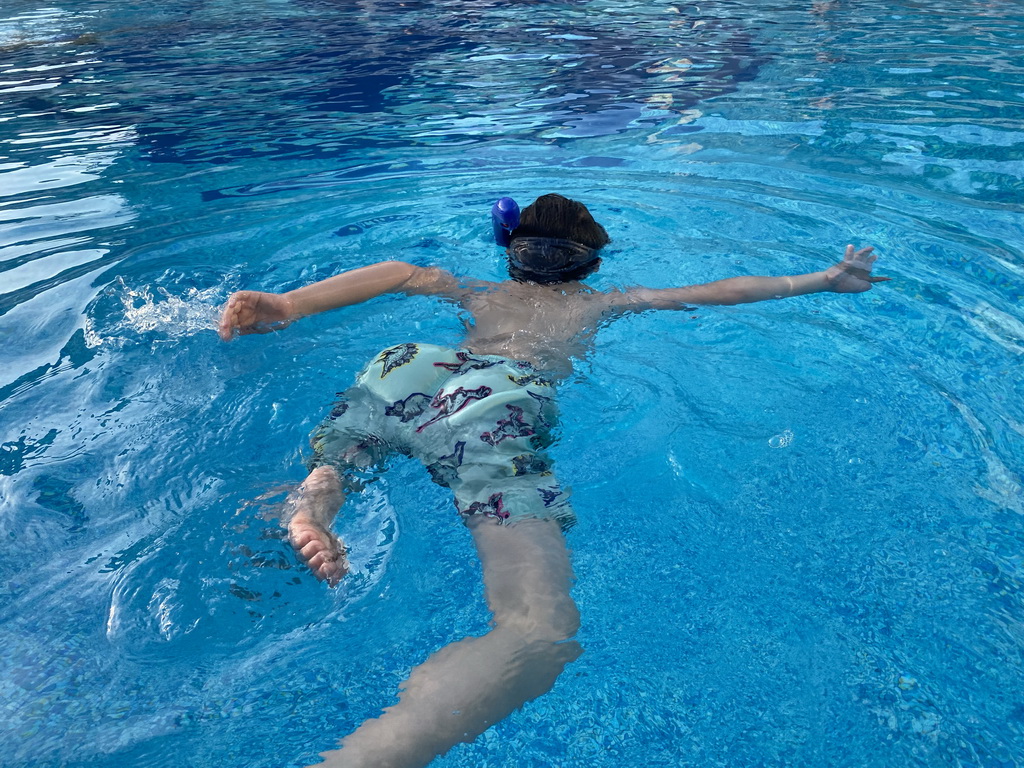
[(479, 423)]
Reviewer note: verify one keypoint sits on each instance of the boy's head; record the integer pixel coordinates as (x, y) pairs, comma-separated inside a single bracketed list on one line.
[(557, 241)]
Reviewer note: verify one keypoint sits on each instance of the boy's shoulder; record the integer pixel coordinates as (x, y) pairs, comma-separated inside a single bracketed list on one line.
[(435, 281)]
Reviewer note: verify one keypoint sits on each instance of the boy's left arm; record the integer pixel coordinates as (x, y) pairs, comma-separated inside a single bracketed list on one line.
[(851, 275)]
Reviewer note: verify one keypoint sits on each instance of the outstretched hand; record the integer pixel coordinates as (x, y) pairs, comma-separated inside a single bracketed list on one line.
[(255, 312), (853, 273)]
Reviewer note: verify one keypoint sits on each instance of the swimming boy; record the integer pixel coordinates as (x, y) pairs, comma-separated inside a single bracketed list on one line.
[(479, 418)]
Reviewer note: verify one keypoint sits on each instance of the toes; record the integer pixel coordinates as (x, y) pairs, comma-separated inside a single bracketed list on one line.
[(301, 538), (311, 549), (320, 551), (333, 571), (321, 558), (330, 570), (333, 578)]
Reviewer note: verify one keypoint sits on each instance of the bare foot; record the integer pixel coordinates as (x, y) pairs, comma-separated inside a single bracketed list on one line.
[(315, 503), (322, 551)]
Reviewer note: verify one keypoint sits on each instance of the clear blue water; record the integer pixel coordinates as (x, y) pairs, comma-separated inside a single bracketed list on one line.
[(800, 522)]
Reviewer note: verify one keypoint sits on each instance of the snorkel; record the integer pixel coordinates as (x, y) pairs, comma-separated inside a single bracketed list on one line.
[(504, 218)]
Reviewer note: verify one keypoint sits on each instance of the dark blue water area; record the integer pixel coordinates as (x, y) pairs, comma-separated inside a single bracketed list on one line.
[(800, 530), (319, 79)]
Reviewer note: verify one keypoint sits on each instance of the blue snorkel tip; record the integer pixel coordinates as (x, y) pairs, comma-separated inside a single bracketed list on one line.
[(504, 218)]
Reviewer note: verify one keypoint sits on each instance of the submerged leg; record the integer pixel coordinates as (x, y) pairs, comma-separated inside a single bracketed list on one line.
[(314, 505), (467, 686)]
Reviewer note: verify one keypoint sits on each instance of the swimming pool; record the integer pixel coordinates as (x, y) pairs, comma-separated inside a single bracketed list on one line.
[(800, 528)]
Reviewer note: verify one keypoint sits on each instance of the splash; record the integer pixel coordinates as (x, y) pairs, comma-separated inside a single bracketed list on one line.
[(137, 312)]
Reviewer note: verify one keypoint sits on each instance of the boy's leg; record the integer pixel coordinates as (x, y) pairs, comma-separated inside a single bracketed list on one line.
[(313, 506), (466, 687)]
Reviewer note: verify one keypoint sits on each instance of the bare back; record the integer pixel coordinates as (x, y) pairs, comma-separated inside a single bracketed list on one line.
[(547, 325)]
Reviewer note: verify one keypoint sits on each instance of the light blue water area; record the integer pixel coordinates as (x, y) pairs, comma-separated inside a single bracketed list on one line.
[(800, 522)]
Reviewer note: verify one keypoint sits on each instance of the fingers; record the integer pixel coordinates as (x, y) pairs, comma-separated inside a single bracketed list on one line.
[(253, 312), (229, 322), (240, 315), (862, 254)]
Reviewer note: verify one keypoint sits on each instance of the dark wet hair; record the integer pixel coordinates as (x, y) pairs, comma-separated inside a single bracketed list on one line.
[(557, 217)]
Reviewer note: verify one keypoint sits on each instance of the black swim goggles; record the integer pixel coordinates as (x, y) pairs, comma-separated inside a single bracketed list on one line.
[(550, 259)]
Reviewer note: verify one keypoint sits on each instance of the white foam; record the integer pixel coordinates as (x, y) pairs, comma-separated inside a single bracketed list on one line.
[(157, 311)]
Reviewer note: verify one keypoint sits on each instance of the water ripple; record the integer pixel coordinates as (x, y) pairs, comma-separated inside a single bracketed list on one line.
[(817, 502)]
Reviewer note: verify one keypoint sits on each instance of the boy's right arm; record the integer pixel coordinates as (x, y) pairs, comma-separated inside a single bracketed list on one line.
[(257, 312)]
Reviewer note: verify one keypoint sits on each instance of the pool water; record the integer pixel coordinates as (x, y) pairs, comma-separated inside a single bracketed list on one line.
[(800, 523)]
